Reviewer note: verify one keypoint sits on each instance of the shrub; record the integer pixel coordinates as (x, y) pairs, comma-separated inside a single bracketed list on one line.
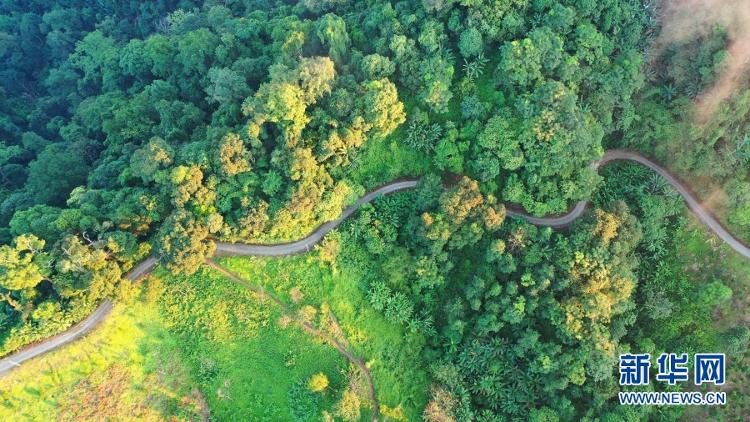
[(318, 382), (348, 407)]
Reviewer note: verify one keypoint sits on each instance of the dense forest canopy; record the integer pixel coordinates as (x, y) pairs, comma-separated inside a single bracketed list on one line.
[(129, 128)]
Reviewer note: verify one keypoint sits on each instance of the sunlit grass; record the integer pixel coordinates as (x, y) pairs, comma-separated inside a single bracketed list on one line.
[(244, 361), (393, 356), (120, 371), (385, 159)]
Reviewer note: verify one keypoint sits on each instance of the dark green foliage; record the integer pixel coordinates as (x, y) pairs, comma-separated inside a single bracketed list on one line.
[(128, 128), (510, 307), (303, 403), (420, 134), (55, 172)]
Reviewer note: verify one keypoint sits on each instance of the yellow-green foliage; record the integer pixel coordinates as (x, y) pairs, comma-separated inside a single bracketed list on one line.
[(224, 338), (348, 408), (119, 372), (221, 315), (318, 382)]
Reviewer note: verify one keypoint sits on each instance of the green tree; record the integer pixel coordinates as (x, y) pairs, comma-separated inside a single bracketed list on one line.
[(147, 161), (331, 31), (182, 243), (194, 52), (375, 66), (86, 269), (437, 75), (226, 86), (22, 267), (470, 42), (55, 172), (382, 108)]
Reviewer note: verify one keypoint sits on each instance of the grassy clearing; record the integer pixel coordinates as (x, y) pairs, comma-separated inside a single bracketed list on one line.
[(121, 371), (243, 360), (394, 358), (150, 359), (145, 361)]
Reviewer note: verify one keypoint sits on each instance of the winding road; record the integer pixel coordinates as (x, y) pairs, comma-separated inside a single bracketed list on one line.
[(305, 244)]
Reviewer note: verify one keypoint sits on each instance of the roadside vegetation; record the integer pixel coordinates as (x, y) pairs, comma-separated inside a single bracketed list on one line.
[(701, 135), (190, 344)]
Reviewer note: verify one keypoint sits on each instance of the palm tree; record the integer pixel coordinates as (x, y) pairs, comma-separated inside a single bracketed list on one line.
[(475, 68), (669, 92), (656, 185)]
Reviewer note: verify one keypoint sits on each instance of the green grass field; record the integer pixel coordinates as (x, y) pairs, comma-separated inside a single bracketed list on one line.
[(206, 342), (392, 356), (124, 370), (242, 359)]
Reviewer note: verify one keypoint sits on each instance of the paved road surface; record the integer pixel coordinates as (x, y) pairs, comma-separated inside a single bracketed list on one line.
[(304, 245), (52, 343), (77, 330), (692, 202)]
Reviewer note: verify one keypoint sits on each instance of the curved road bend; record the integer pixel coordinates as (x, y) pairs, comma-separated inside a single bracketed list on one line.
[(304, 245), (76, 331), (222, 248), (692, 202)]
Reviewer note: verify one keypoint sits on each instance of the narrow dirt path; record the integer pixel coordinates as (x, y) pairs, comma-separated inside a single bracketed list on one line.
[(339, 346)]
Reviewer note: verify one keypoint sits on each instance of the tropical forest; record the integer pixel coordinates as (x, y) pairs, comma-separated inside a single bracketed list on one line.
[(371, 210)]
